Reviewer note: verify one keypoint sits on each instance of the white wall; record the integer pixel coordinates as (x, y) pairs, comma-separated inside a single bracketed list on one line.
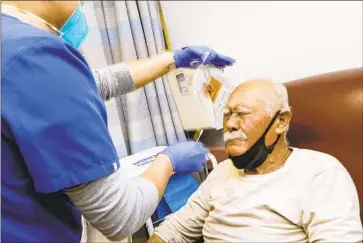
[(278, 40)]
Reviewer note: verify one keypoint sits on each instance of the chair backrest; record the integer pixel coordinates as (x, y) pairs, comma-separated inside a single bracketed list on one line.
[(327, 112)]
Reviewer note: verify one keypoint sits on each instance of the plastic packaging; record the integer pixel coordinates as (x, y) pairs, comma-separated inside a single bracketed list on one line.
[(200, 80), (212, 87)]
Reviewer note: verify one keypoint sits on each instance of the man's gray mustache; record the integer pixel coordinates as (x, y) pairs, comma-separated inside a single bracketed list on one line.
[(234, 135)]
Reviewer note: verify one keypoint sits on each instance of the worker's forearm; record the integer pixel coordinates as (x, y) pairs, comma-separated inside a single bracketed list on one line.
[(122, 78), (159, 173), (145, 71), (116, 205)]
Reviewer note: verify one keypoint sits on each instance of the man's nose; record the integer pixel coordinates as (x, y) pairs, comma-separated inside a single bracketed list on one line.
[(231, 124)]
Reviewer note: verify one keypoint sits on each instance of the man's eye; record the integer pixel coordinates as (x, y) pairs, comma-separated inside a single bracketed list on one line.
[(241, 113), (227, 113)]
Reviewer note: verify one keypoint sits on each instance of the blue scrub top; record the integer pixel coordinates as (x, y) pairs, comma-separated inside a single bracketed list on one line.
[(54, 134)]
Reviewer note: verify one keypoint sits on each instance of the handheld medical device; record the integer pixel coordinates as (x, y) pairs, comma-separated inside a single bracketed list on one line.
[(200, 96)]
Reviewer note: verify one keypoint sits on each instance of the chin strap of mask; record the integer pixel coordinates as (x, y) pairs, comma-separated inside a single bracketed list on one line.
[(271, 147), (258, 153)]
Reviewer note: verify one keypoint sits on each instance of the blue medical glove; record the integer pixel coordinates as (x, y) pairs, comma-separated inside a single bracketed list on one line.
[(192, 56), (187, 156)]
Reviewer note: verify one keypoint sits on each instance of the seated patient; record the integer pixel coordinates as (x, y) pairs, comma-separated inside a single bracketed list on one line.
[(267, 191)]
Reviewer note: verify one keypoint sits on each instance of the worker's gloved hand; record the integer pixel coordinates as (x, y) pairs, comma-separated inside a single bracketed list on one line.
[(192, 56), (187, 156)]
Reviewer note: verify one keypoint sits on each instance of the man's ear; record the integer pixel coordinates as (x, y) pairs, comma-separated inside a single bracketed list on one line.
[(283, 121)]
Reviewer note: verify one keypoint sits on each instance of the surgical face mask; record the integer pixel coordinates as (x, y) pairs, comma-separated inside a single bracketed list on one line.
[(258, 153), (74, 30)]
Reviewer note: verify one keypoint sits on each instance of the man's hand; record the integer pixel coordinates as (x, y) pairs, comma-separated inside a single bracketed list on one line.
[(192, 56)]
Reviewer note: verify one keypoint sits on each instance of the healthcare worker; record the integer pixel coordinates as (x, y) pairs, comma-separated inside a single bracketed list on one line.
[(58, 160)]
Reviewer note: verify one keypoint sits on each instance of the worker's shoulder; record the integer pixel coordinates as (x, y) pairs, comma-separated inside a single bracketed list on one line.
[(316, 162), (18, 36)]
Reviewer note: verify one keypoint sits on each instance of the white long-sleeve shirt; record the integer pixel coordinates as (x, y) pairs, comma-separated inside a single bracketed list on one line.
[(312, 198)]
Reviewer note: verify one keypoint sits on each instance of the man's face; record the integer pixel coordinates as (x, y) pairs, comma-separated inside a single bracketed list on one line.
[(245, 119)]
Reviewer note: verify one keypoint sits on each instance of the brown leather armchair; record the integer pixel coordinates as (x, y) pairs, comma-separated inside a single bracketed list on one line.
[(327, 116)]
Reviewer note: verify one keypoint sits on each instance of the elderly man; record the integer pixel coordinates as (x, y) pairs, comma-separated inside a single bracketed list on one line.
[(267, 191)]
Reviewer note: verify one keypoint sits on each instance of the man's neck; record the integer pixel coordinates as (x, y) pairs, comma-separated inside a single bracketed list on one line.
[(274, 161)]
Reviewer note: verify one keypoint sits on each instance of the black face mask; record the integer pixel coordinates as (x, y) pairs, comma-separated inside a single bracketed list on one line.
[(258, 153)]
